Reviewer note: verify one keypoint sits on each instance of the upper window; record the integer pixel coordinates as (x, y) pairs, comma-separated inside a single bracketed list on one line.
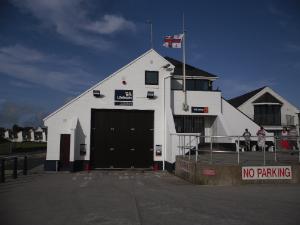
[(267, 114), (192, 85), (176, 84), (197, 85), (151, 77)]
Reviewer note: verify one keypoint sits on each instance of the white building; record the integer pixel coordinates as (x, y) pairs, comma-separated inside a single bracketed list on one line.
[(127, 120), (6, 134), (31, 135), (267, 108), (19, 137), (40, 135)]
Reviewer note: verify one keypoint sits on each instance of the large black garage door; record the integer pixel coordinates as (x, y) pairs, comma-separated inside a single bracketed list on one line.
[(122, 138)]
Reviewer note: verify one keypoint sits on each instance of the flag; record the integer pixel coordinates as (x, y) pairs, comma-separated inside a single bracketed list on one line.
[(173, 41)]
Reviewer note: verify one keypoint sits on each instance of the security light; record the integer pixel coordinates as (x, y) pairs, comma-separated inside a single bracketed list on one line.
[(150, 95), (97, 93)]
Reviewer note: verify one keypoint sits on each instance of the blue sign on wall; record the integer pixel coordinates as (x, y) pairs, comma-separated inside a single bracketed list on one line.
[(124, 95), (199, 109)]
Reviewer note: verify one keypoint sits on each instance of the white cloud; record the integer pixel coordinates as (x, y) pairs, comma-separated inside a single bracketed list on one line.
[(20, 84), (196, 57), (293, 47), (44, 70), (18, 52), (275, 10), (284, 19), (21, 114), (70, 20), (296, 65), (110, 24), (2, 100)]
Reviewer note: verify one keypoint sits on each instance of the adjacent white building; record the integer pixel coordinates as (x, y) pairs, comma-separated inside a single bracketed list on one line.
[(129, 119), (267, 108), (31, 135), (6, 134), (19, 137)]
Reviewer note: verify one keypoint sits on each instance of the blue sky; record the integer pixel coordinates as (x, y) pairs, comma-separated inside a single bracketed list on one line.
[(51, 51)]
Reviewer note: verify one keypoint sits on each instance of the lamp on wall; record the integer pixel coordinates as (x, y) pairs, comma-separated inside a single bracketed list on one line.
[(97, 93), (150, 95), (167, 67)]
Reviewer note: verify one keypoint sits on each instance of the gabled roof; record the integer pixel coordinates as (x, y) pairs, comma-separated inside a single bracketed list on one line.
[(190, 70), (267, 98), (237, 101), (94, 86)]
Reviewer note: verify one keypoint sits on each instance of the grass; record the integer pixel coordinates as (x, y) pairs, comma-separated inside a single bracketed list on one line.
[(3, 140), (16, 147), (30, 145)]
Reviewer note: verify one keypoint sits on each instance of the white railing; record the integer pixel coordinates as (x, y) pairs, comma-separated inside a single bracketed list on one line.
[(191, 145)]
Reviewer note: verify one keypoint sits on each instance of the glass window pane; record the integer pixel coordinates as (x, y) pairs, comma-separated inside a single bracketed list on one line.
[(151, 77), (190, 85), (177, 84), (197, 85), (202, 85), (267, 114)]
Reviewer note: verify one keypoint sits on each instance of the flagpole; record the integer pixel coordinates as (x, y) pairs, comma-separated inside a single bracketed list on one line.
[(151, 33), (185, 106)]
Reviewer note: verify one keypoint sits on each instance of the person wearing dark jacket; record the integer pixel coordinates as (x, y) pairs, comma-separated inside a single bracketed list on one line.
[(247, 136)]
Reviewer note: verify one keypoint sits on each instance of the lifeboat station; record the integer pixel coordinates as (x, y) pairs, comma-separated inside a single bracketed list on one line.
[(135, 117)]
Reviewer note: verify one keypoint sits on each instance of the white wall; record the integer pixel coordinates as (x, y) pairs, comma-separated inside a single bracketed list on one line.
[(134, 75), (208, 127), (31, 134), (171, 139), (210, 99), (44, 136), (234, 122), (19, 136), (6, 134)]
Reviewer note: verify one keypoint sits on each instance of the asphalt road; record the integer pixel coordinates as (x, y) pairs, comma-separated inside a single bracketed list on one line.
[(135, 198)]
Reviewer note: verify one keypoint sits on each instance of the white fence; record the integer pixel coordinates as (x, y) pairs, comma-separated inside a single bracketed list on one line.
[(274, 149)]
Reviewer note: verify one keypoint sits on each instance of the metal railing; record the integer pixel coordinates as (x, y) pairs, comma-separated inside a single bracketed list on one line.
[(13, 166), (12, 163), (193, 145), (7, 147)]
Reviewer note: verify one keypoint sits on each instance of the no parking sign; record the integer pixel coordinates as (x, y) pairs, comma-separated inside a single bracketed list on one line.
[(266, 172)]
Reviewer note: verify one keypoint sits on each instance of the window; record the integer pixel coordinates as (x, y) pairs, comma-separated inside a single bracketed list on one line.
[(290, 120), (189, 124), (197, 85), (176, 84), (192, 85), (151, 77), (267, 114)]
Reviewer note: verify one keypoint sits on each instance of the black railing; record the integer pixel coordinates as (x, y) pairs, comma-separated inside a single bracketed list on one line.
[(12, 163)]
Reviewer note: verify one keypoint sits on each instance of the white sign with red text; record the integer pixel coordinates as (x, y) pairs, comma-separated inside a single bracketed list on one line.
[(266, 172)]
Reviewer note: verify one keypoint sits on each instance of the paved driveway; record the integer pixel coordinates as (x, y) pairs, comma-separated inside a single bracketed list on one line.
[(151, 198)]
